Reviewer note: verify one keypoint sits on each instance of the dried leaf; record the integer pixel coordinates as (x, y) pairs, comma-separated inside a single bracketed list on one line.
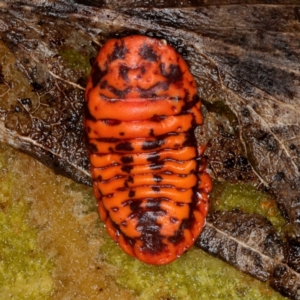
[(249, 243)]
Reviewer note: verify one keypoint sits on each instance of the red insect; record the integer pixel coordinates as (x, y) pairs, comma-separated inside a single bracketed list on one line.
[(148, 174)]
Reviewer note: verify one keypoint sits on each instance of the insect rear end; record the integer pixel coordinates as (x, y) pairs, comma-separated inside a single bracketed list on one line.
[(148, 173)]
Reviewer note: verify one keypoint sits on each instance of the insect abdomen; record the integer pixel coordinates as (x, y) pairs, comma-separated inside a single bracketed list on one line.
[(149, 179)]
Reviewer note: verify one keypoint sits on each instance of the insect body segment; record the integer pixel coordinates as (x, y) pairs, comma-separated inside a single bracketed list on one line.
[(149, 175)]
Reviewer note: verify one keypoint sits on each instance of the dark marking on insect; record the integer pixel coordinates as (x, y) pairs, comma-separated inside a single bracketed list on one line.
[(131, 194), (124, 73), (127, 159), (153, 157), (148, 53), (150, 145), (97, 74), (118, 52), (152, 187), (130, 179), (125, 146), (156, 166), (127, 169), (174, 74), (152, 91), (157, 178), (111, 122), (92, 148), (117, 92)]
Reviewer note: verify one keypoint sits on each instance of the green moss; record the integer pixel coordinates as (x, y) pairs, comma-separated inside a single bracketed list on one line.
[(196, 275), (25, 272), (248, 199)]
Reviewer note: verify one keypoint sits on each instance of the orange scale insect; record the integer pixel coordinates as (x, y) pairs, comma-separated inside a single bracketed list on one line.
[(149, 173)]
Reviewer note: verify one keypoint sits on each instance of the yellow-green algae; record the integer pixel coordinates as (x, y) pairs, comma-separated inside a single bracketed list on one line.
[(25, 271), (245, 197), (76, 60), (87, 264), (196, 275), (68, 233)]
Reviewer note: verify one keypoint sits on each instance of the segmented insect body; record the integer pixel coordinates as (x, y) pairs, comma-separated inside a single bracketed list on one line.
[(148, 174)]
